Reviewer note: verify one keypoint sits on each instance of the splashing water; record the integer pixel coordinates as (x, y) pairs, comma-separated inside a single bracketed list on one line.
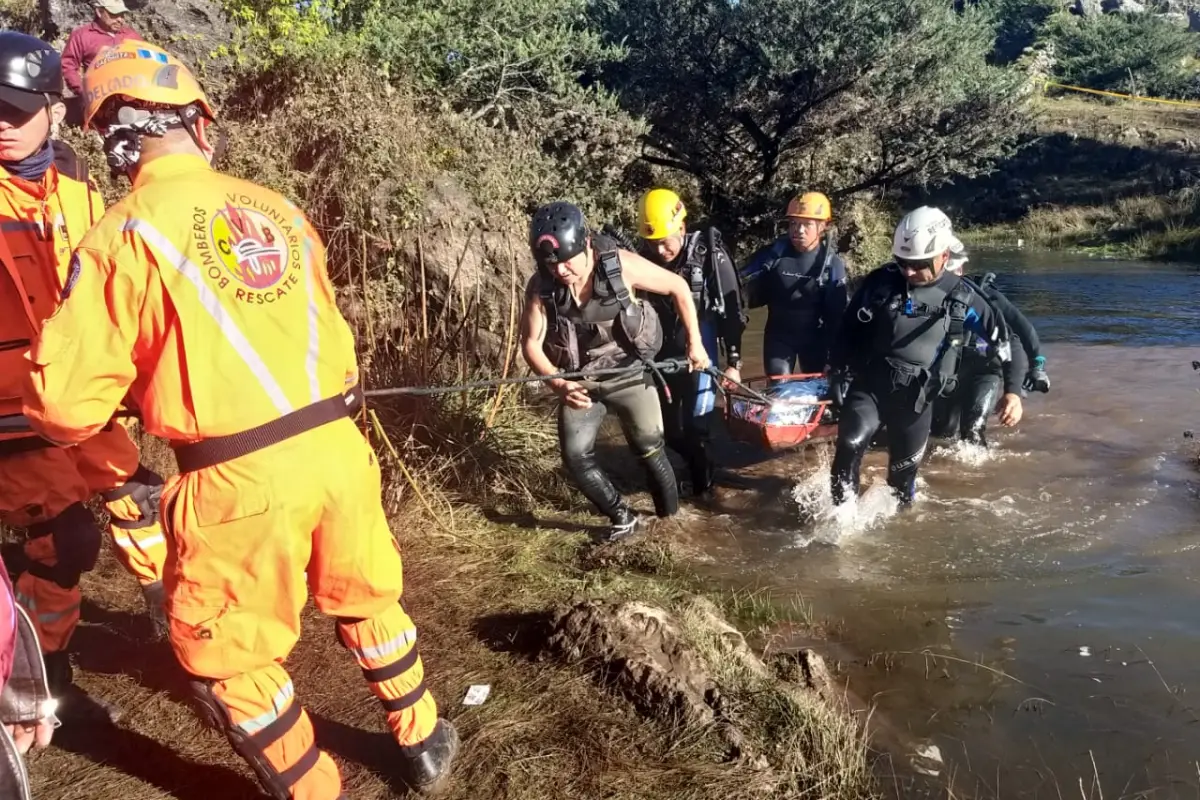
[(972, 455), (834, 524)]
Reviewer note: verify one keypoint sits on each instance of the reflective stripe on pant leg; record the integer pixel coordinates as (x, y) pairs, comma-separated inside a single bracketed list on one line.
[(135, 525), (141, 551), (385, 648), (268, 727), (53, 609)]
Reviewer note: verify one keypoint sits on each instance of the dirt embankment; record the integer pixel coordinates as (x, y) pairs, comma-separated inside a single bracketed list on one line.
[(605, 681), (609, 677), (1115, 177)]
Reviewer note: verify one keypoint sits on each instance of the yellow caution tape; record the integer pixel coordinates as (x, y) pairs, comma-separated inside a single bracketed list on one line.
[(1185, 103)]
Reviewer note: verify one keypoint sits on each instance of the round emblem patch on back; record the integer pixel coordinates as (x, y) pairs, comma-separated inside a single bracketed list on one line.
[(250, 246)]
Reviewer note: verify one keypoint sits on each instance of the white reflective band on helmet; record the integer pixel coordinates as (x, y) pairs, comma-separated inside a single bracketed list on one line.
[(212, 304)]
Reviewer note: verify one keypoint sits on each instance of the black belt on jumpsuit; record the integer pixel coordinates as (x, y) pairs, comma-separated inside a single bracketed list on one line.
[(219, 449)]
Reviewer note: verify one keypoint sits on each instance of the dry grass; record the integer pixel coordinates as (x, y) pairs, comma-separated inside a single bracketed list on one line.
[(474, 488), (1119, 180), (1165, 227), (479, 592)]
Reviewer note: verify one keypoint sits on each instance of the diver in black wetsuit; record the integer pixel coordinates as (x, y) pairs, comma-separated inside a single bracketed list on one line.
[(965, 413), (690, 406), (585, 309), (901, 336), (801, 280)]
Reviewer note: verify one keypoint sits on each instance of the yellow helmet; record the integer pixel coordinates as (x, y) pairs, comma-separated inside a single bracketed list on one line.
[(810, 205), (143, 72), (661, 214)]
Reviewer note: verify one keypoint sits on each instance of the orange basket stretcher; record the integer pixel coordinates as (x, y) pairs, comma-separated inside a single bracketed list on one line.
[(782, 412)]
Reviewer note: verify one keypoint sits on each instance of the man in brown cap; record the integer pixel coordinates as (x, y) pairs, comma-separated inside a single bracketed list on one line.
[(107, 29)]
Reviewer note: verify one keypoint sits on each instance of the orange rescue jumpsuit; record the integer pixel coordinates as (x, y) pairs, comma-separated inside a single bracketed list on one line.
[(43, 488), (207, 298)]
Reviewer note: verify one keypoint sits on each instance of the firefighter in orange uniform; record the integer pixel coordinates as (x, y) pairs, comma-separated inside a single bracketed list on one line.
[(207, 299), (47, 204)]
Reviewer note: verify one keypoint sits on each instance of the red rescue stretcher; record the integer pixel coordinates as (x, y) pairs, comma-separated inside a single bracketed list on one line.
[(791, 412)]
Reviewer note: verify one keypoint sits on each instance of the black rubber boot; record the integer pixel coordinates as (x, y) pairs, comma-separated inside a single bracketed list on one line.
[(156, 608), (663, 487), (701, 469), (74, 704), (425, 767)]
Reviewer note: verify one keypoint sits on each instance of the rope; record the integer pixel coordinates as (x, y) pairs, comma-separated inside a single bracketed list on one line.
[(17, 423), (1185, 103), (668, 367)]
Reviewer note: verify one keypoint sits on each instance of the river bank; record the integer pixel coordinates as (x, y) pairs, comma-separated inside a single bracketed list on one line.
[(1110, 178), (654, 695)]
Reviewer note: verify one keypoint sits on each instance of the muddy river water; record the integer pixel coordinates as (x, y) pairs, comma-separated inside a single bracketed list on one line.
[(1036, 615)]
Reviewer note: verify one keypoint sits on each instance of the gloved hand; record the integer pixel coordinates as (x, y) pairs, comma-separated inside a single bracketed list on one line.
[(839, 386), (1036, 380)]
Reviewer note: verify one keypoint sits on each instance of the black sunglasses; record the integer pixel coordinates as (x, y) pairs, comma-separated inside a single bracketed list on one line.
[(915, 264)]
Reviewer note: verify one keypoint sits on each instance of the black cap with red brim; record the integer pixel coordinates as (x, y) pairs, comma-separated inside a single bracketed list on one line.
[(28, 102)]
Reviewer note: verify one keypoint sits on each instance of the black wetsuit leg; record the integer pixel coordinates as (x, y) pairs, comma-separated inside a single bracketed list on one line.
[(980, 392), (638, 408), (688, 431), (577, 431), (947, 416), (779, 354), (907, 438), (791, 354), (860, 418)]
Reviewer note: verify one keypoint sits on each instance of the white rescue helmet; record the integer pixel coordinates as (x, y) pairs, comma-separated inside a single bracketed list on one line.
[(958, 256), (924, 233)]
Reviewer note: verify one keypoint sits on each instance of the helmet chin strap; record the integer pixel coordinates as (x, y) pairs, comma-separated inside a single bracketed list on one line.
[(123, 138)]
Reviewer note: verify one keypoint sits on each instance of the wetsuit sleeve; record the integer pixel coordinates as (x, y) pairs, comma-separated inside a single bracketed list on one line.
[(83, 361), (731, 323), (1019, 324), (833, 306), (984, 321), (753, 274)]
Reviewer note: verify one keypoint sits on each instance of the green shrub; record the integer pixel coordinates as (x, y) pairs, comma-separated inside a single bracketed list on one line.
[(504, 61), (1019, 24), (1133, 53)]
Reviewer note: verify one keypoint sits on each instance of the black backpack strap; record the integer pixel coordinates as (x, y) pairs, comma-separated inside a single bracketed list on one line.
[(718, 294), (827, 259), (956, 306), (549, 298), (610, 268)]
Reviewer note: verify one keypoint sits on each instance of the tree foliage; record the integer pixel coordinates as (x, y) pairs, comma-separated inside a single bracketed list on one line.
[(1133, 53), (275, 27), (1019, 24), (501, 60), (758, 98)]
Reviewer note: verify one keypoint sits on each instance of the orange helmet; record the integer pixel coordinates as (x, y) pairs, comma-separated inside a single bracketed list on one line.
[(810, 205), (139, 71)]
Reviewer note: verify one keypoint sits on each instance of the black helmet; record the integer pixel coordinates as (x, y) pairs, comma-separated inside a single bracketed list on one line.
[(30, 69), (558, 233)]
